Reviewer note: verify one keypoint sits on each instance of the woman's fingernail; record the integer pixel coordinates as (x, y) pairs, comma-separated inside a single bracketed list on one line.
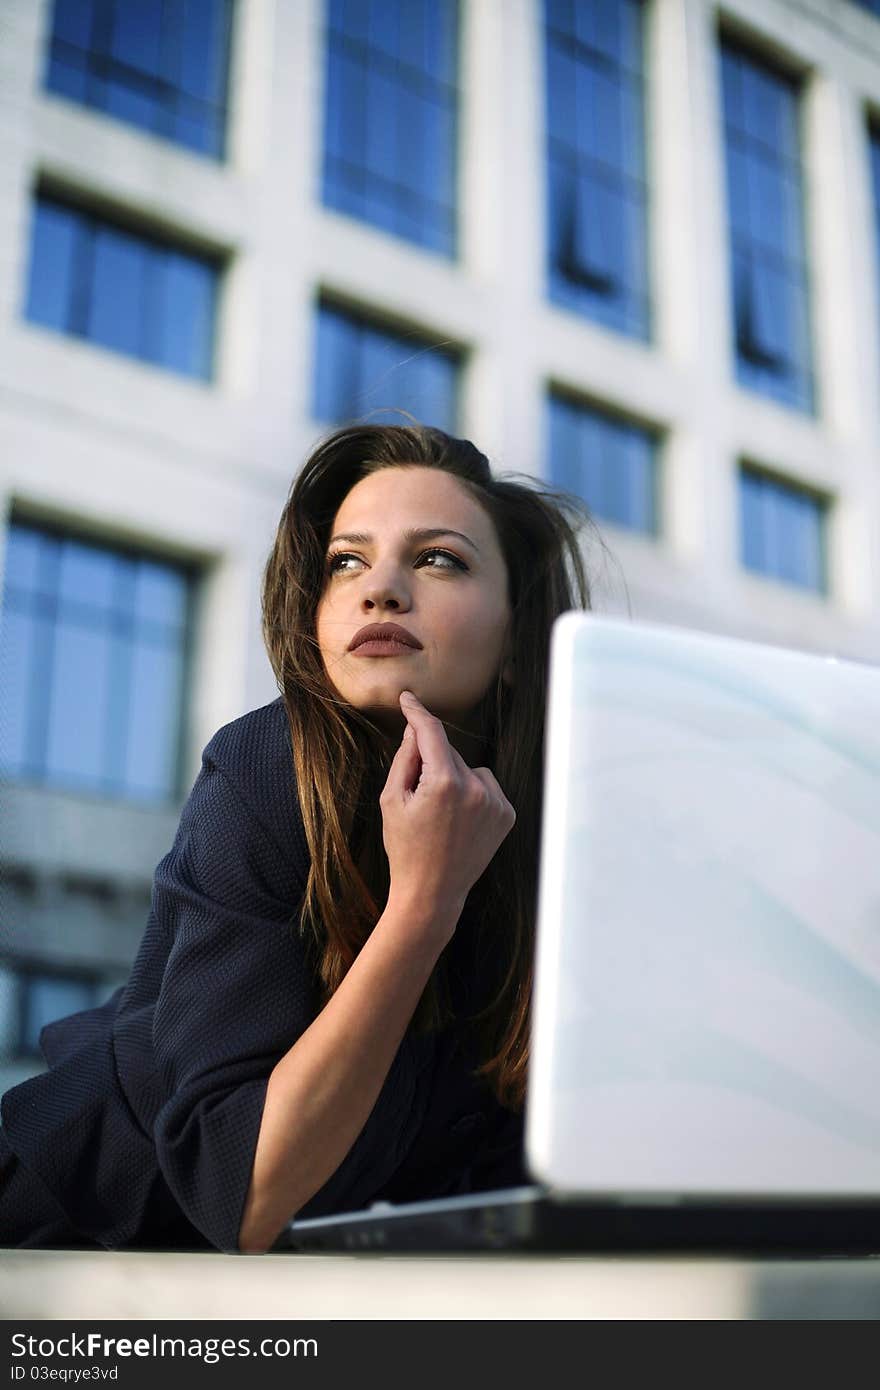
[(407, 695)]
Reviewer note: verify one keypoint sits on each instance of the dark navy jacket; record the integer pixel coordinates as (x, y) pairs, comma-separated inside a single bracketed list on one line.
[(143, 1129)]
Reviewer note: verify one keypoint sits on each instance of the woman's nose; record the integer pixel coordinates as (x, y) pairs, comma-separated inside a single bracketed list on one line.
[(385, 591)]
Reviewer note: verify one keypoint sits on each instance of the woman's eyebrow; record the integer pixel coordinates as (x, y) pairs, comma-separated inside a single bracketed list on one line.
[(419, 533)]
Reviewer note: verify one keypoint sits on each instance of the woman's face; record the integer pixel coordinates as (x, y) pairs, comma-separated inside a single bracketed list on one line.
[(448, 590)]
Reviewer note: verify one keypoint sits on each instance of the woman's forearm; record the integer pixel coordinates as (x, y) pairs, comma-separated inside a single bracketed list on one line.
[(322, 1091)]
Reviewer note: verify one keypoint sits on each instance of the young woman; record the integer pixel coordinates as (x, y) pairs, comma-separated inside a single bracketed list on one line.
[(330, 1005)]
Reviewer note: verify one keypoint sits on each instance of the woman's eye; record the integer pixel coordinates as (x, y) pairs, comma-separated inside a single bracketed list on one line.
[(452, 561), (333, 561)]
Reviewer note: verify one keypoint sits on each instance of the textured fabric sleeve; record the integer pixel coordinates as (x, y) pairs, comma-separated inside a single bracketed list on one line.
[(235, 995)]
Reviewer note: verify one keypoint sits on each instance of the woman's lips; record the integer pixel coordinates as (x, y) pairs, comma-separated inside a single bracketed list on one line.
[(383, 647)]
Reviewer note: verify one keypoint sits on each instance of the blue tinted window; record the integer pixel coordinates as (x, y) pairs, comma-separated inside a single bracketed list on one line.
[(183, 319), (765, 217), (161, 65), (46, 998), (92, 663), (596, 216), (127, 292), (10, 1023), (872, 5), (781, 531), (363, 370), (390, 116), (608, 462), (56, 245), (31, 997), (117, 303)]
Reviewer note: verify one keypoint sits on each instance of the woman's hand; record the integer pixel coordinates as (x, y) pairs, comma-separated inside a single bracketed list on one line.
[(442, 820)]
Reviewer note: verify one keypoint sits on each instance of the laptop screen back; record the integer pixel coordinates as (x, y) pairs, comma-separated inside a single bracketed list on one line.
[(707, 1001)]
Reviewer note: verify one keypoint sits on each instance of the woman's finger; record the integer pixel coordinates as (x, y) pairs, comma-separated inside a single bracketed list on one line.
[(434, 747), (406, 765), (490, 782), (488, 779), (457, 760)]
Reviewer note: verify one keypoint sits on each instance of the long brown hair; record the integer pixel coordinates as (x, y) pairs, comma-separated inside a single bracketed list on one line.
[(341, 765)]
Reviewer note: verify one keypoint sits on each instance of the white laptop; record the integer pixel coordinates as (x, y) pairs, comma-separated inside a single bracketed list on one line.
[(706, 1032)]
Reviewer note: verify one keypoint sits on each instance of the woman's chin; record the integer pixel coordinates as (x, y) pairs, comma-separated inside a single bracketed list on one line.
[(385, 712), (384, 698)]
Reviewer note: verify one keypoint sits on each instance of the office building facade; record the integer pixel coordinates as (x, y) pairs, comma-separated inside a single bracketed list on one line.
[(631, 247)]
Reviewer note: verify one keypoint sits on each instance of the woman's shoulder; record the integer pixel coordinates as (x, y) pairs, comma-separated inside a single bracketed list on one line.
[(254, 756), (260, 736)]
